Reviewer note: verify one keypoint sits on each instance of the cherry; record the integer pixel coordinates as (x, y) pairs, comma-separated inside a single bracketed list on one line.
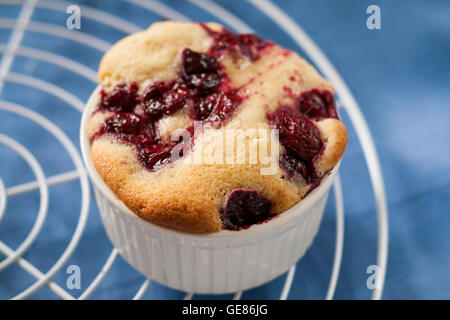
[(122, 98), (203, 83), (129, 127), (203, 108), (215, 107), (248, 45), (293, 165), (196, 62), (297, 134), (155, 156), (160, 99), (244, 208), (135, 115), (317, 104), (124, 123)]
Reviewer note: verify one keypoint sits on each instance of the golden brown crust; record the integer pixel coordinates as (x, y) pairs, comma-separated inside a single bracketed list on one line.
[(117, 166), (152, 54), (185, 197), (189, 196), (334, 136)]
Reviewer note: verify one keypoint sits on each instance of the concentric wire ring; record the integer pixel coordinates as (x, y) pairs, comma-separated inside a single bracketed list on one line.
[(65, 141), (39, 173), (3, 199)]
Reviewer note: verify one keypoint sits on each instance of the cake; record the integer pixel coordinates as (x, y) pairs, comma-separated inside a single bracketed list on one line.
[(201, 130)]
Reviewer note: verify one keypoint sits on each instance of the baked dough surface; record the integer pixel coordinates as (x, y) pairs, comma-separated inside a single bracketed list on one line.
[(189, 196)]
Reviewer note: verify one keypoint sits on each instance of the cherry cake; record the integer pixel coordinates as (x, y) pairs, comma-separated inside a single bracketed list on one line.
[(172, 93)]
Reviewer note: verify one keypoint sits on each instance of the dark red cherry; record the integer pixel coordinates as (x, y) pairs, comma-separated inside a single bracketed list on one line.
[(130, 127), (153, 100), (303, 139), (224, 106), (297, 134), (124, 123), (215, 107), (244, 208), (123, 98), (160, 99), (176, 97), (203, 108), (196, 62), (248, 45), (317, 104), (203, 83), (135, 116), (293, 165), (155, 156)]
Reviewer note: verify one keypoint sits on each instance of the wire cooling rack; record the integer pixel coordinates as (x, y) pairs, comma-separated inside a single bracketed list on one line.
[(23, 18)]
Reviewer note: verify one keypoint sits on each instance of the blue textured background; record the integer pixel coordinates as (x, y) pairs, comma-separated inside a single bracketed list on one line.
[(400, 76)]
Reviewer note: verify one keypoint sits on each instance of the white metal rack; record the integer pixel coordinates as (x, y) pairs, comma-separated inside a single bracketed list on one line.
[(13, 48)]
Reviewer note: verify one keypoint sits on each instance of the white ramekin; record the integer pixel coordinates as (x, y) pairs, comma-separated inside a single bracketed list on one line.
[(222, 262)]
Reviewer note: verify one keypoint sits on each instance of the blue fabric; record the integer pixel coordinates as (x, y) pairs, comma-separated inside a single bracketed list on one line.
[(400, 76)]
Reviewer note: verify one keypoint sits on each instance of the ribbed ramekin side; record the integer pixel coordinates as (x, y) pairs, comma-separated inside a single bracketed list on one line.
[(227, 267)]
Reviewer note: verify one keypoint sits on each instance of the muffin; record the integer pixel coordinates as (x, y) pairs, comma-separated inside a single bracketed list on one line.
[(199, 129)]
